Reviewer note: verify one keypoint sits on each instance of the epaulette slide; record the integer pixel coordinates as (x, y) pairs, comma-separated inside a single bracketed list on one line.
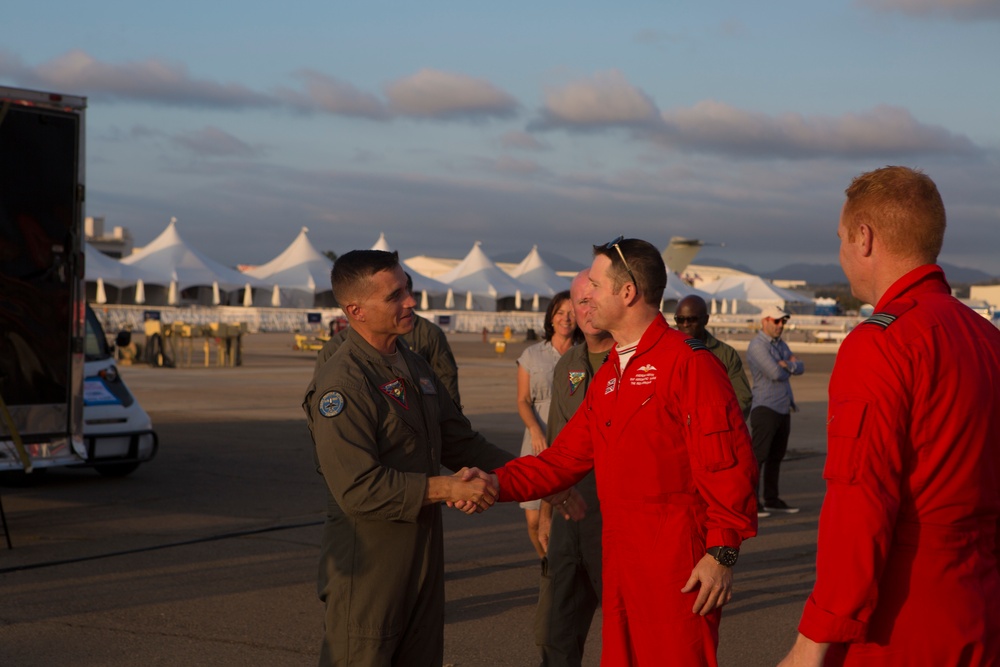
[(881, 319), (695, 344)]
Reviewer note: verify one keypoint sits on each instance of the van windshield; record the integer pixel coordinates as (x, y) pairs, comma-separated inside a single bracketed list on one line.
[(95, 346)]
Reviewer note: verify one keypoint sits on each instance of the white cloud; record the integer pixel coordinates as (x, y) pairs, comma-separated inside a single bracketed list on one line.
[(150, 80), (520, 140), (436, 94), (960, 9), (883, 132), (211, 141), (606, 99), (331, 95)]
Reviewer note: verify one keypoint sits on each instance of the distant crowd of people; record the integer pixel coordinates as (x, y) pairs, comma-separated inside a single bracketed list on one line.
[(648, 459)]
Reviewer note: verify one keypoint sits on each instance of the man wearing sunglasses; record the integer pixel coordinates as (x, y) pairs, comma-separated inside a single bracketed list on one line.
[(676, 476), (692, 318), (906, 567), (771, 365)]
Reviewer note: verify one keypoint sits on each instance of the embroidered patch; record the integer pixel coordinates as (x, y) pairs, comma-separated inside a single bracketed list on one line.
[(396, 391), (644, 375), (332, 404), (427, 386), (695, 344), (610, 386), (576, 379), (881, 319)]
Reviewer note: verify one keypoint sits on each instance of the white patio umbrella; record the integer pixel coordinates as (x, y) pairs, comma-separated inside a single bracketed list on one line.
[(449, 300), (247, 296), (216, 297), (276, 297), (534, 303), (102, 296), (468, 300), (172, 294), (140, 291), (517, 300)]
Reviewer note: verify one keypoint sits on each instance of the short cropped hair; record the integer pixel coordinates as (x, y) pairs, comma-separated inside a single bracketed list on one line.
[(903, 208), (646, 263), (353, 271)]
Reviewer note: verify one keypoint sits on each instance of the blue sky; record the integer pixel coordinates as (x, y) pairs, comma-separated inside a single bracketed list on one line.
[(560, 124)]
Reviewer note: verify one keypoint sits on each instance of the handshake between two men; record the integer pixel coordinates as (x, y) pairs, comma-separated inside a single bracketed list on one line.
[(472, 491)]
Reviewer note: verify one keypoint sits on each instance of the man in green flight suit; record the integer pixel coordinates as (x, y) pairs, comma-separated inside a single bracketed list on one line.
[(383, 424), (426, 339), (691, 318)]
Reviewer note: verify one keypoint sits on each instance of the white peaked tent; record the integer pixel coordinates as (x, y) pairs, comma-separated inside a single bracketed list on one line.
[(298, 274), (180, 267), (751, 294), (479, 284), (103, 272), (677, 289), (540, 277), (382, 244)]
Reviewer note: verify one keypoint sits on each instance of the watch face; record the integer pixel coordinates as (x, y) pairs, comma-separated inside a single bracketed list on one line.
[(726, 556)]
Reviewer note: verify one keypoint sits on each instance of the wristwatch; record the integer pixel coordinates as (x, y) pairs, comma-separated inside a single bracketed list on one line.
[(724, 556)]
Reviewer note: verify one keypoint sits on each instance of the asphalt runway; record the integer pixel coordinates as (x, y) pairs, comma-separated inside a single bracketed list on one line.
[(207, 555)]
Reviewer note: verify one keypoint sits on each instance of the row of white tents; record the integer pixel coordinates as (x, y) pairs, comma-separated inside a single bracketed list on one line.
[(170, 272)]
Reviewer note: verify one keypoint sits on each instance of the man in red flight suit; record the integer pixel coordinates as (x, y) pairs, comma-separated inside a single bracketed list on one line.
[(906, 571), (676, 475)]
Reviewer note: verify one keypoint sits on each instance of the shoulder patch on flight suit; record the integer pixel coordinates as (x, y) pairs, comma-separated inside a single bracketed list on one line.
[(332, 404), (576, 379), (891, 313), (696, 344), (881, 320), (427, 386), (396, 390)]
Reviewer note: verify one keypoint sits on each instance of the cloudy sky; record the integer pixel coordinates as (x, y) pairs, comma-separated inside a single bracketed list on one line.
[(560, 124)]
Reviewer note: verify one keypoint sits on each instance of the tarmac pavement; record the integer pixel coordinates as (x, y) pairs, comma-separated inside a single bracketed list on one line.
[(207, 555)]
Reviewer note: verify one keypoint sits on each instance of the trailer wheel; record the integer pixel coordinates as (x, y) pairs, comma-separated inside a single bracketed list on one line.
[(115, 469)]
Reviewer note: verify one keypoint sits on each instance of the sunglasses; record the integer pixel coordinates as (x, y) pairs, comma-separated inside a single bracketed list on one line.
[(614, 244), (680, 319)]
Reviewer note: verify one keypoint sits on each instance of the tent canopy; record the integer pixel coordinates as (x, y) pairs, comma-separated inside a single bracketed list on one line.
[(478, 276), (757, 292), (539, 276), (173, 262)]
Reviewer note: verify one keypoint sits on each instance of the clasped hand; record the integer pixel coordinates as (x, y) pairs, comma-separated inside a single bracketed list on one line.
[(473, 490)]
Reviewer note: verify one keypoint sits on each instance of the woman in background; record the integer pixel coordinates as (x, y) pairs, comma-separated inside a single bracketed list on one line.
[(534, 389)]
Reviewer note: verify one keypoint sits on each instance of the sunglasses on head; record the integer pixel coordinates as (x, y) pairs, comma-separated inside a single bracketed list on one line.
[(680, 319), (614, 244)]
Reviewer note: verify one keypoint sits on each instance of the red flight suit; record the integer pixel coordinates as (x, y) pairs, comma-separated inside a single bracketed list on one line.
[(906, 571), (675, 473)]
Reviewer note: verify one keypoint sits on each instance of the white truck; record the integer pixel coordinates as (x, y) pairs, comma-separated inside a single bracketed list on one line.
[(61, 400)]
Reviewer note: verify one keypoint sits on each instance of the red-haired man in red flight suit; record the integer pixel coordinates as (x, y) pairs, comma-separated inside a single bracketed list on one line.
[(906, 571)]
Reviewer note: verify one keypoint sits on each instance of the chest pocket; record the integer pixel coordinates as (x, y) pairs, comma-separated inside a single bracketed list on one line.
[(845, 454)]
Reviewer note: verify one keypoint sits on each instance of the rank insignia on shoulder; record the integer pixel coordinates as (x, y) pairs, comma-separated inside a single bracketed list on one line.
[(427, 386), (881, 319), (695, 344), (396, 390), (576, 379), (332, 404)]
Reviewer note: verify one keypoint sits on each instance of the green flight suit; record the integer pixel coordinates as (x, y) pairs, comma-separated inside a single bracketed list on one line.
[(378, 437), (730, 358), (427, 339)]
